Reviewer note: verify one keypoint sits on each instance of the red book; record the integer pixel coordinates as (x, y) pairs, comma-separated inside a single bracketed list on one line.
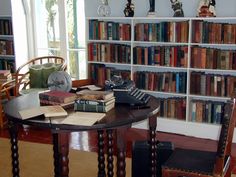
[(57, 96)]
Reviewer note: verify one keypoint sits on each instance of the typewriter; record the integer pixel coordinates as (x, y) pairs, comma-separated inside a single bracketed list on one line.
[(125, 92)]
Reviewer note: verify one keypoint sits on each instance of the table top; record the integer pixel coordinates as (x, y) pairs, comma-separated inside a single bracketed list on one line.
[(121, 115)]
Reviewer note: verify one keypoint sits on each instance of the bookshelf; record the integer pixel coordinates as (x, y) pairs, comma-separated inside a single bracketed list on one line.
[(178, 42), (7, 54)]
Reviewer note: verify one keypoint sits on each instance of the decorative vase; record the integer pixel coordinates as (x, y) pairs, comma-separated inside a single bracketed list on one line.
[(104, 9), (151, 12), (129, 9)]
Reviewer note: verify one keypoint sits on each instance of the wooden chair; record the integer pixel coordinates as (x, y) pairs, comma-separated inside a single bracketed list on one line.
[(197, 163), (5, 96), (22, 80)]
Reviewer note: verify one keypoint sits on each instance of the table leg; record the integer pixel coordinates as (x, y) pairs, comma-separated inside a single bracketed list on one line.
[(153, 148), (121, 151), (101, 154), (110, 166), (13, 130), (61, 152)]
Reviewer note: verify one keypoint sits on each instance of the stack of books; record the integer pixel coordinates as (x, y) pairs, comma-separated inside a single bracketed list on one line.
[(5, 75), (55, 97), (94, 101)]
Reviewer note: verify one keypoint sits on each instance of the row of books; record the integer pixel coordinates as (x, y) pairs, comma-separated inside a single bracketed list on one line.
[(6, 64), (174, 56), (6, 27), (108, 30), (85, 100), (105, 52), (162, 32), (173, 107), (210, 32), (207, 111), (211, 58), (211, 84), (6, 47), (161, 81)]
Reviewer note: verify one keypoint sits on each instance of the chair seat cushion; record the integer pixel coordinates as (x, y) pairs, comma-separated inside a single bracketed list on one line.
[(192, 161)]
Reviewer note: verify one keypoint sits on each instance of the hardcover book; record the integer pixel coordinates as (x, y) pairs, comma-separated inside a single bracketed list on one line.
[(94, 95), (57, 96), (93, 108)]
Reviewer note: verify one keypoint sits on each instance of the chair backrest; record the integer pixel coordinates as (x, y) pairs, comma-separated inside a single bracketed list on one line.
[(23, 71), (226, 137)]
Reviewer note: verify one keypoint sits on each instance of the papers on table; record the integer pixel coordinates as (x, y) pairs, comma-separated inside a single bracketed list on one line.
[(83, 118)]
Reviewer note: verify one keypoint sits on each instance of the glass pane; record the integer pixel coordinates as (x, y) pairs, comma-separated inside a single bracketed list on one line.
[(47, 24), (77, 58), (42, 52), (76, 24)]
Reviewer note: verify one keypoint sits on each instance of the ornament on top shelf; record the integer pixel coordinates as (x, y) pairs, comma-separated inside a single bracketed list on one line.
[(129, 9), (206, 8), (104, 9), (177, 7), (151, 12)]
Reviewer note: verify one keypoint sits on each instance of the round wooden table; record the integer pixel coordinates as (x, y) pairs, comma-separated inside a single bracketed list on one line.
[(116, 122)]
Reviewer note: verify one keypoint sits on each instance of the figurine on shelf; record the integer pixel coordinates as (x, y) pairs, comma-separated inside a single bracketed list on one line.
[(129, 9), (177, 7), (206, 8), (104, 9), (151, 11)]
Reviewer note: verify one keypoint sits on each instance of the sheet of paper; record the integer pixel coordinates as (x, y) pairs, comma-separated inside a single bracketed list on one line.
[(83, 118)]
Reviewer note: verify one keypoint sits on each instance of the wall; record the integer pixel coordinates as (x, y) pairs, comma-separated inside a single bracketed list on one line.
[(162, 7), (5, 7)]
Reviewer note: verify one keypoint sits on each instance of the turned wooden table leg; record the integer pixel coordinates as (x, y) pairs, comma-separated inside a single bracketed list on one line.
[(13, 130), (61, 152), (110, 166), (56, 156), (153, 148), (121, 151), (101, 154)]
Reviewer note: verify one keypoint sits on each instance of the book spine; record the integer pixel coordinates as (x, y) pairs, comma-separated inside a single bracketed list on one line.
[(90, 102), (89, 108)]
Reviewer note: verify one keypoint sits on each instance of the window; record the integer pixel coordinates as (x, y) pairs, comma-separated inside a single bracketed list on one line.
[(59, 29)]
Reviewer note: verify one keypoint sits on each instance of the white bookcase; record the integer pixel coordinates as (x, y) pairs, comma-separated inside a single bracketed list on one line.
[(173, 125)]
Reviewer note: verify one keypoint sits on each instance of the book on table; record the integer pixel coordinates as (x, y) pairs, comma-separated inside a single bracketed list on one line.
[(94, 95), (47, 111), (54, 97)]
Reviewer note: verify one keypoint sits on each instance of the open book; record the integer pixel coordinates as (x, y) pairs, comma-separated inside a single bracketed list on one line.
[(83, 118), (47, 111)]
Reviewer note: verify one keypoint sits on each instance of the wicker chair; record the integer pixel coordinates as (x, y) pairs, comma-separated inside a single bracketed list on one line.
[(5, 96), (197, 163), (22, 75)]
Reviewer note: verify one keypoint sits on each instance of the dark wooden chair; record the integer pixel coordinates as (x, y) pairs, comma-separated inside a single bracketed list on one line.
[(197, 163)]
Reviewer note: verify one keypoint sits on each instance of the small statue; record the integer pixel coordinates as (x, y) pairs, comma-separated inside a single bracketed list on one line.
[(152, 5), (206, 8), (129, 9), (151, 11), (177, 7)]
